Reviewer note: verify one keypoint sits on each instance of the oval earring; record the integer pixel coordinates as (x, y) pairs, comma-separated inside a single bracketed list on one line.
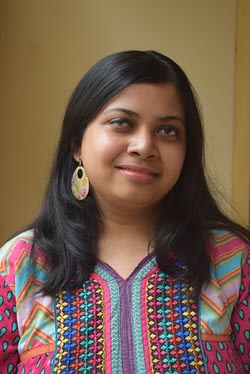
[(80, 183)]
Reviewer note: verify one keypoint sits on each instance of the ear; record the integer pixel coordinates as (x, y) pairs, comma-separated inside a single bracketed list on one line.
[(77, 155), (76, 151)]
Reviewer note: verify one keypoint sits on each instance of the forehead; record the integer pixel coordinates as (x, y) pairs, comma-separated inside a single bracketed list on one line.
[(155, 97)]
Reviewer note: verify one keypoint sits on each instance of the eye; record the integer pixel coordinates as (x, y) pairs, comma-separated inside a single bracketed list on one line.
[(168, 130), (120, 123)]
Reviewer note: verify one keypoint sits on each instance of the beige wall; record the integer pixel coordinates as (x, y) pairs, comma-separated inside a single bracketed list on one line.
[(241, 149), (46, 46)]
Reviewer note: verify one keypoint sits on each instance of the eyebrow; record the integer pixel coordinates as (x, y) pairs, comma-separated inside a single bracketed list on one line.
[(135, 114), (127, 111)]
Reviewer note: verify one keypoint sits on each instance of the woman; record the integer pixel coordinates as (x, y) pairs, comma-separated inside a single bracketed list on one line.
[(137, 270)]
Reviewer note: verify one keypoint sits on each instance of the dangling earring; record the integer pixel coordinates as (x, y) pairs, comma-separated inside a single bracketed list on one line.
[(80, 183)]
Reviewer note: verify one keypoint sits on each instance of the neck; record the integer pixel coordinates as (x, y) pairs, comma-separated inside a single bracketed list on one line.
[(125, 238), (138, 222)]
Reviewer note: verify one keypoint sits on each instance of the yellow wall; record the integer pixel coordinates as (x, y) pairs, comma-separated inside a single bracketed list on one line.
[(46, 46), (241, 159)]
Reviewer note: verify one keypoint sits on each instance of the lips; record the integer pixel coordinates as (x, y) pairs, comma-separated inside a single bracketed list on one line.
[(138, 172), (139, 169)]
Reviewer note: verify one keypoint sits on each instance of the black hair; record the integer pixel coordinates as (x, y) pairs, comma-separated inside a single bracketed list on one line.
[(67, 230)]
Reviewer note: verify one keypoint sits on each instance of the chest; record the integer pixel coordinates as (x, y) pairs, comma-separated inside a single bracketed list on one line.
[(145, 324)]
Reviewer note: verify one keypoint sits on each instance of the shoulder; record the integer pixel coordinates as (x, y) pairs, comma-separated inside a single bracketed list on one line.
[(228, 261), (225, 246), (15, 259), (22, 240), (15, 248)]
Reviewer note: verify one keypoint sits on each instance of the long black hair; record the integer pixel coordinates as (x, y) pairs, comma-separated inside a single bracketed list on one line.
[(67, 230)]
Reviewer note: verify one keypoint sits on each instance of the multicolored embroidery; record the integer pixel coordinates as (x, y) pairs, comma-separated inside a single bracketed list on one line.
[(80, 327), (147, 324), (170, 334), (172, 326)]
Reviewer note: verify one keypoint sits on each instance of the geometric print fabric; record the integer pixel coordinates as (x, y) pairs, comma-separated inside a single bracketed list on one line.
[(170, 329)]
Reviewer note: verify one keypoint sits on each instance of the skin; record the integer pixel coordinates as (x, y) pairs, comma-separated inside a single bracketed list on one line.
[(133, 153)]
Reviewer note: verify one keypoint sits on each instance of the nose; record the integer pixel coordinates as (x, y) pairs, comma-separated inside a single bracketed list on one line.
[(142, 144)]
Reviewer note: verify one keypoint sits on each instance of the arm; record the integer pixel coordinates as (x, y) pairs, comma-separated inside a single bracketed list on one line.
[(9, 335), (241, 317)]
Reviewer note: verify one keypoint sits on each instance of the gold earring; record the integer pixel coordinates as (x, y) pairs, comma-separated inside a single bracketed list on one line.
[(79, 183)]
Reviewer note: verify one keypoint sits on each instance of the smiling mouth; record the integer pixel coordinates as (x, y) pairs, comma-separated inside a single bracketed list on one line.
[(138, 170)]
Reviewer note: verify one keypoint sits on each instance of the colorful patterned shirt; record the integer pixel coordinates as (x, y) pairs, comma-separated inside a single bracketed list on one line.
[(148, 323)]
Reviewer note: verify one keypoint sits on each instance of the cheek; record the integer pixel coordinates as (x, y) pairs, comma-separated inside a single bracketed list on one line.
[(100, 150), (174, 158)]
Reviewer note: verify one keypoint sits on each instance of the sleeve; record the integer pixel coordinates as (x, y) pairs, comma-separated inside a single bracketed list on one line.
[(9, 335), (241, 316)]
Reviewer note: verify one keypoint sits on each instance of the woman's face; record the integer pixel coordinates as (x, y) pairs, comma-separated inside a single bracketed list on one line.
[(133, 150)]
